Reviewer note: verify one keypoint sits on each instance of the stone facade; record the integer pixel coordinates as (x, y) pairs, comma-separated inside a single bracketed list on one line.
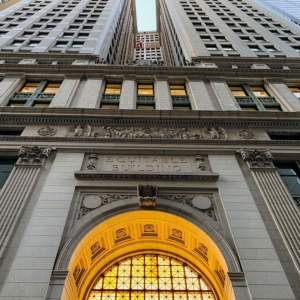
[(196, 178)]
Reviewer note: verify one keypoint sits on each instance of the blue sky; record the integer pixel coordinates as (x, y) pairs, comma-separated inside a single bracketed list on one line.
[(146, 15)]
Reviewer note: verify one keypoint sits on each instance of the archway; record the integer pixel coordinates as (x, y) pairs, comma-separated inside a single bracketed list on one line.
[(146, 232)]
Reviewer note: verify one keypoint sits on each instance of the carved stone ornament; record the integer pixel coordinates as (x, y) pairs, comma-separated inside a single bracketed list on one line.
[(46, 131), (200, 163), (145, 63), (92, 162), (245, 135), (257, 159), (33, 155), (147, 194), (199, 202), (92, 201), (183, 133)]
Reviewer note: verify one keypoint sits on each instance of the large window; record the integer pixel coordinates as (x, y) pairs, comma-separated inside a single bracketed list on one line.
[(111, 97), (38, 94), (255, 98), (145, 96), (290, 174), (6, 166), (295, 90), (151, 277), (180, 99)]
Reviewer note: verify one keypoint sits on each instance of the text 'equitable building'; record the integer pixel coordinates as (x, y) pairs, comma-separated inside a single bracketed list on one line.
[(149, 166)]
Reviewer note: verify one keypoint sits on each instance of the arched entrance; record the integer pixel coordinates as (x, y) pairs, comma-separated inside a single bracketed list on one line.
[(146, 233)]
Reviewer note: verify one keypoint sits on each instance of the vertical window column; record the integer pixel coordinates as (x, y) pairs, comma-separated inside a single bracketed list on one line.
[(111, 96), (145, 96), (8, 86), (163, 99), (179, 96), (128, 95)]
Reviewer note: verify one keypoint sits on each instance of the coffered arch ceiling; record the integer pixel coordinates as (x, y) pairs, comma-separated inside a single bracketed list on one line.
[(149, 232)]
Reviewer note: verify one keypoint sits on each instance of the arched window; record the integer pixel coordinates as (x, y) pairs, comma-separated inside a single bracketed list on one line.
[(151, 277)]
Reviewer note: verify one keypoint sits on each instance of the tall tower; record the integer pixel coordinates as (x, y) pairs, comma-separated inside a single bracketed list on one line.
[(149, 166)]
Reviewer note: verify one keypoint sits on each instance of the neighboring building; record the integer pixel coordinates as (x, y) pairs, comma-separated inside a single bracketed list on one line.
[(289, 9), (165, 173)]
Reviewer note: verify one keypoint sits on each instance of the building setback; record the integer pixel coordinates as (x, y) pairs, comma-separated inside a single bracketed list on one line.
[(149, 166)]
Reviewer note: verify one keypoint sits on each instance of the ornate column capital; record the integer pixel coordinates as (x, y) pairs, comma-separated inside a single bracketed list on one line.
[(258, 160), (33, 156)]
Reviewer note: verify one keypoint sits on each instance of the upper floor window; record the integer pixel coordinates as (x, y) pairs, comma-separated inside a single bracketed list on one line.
[(38, 94), (145, 96), (111, 96), (6, 166), (290, 174), (180, 99), (255, 98), (295, 90)]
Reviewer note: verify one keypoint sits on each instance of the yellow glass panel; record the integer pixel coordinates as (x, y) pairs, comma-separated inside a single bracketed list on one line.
[(138, 261), (179, 283), (112, 272), (123, 283), (208, 296), (145, 107), (95, 295), (138, 283), (167, 296), (108, 295), (165, 284), (16, 104), (51, 88), (163, 260), (194, 296), (151, 283), (177, 90), (203, 285), (145, 89), (123, 295), (99, 284), (124, 271), (151, 271), (178, 271), (180, 296), (164, 271), (41, 104), (192, 284), (190, 273), (259, 91), (137, 295), (294, 89), (138, 271), (151, 296), (109, 283), (30, 87), (113, 88)]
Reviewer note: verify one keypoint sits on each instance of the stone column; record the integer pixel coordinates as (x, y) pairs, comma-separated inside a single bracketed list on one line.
[(162, 94), (286, 98), (128, 93), (224, 95), (90, 98), (66, 92), (278, 199), (199, 96), (9, 85), (17, 189)]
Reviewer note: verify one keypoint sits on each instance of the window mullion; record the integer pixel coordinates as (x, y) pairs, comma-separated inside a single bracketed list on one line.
[(34, 95), (254, 98)]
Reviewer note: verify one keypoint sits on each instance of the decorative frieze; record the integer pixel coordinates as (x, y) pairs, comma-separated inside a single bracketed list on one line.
[(245, 135), (47, 131)]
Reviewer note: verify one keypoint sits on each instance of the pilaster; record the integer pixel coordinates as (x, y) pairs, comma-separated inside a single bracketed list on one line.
[(128, 93), (66, 92), (283, 94), (279, 201), (17, 189), (9, 85), (162, 96), (225, 97)]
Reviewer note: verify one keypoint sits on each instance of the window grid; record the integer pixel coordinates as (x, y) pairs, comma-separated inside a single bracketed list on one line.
[(151, 277)]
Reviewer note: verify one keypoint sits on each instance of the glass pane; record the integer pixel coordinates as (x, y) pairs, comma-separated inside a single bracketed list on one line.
[(259, 91), (177, 90), (113, 88), (15, 104), (272, 108), (30, 87), (145, 89), (51, 88), (249, 108), (41, 104), (237, 91)]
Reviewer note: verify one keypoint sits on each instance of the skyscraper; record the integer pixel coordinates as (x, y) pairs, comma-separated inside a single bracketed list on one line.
[(149, 166)]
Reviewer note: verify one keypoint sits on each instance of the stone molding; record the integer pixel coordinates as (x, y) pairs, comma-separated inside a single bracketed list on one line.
[(203, 176), (100, 76), (15, 74), (74, 76), (195, 78), (130, 77), (161, 78), (216, 78), (271, 80)]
